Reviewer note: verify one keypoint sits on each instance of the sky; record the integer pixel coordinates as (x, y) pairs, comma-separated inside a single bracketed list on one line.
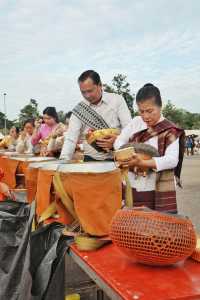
[(46, 44)]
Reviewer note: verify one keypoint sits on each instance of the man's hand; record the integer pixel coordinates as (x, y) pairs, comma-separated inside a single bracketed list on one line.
[(107, 142)]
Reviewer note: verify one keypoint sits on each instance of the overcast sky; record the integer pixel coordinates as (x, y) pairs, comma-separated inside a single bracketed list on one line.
[(46, 44)]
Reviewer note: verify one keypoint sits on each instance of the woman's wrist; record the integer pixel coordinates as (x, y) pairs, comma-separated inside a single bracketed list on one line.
[(148, 163)]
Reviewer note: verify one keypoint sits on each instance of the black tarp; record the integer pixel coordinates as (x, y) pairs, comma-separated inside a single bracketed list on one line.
[(15, 229), (48, 248), (32, 265)]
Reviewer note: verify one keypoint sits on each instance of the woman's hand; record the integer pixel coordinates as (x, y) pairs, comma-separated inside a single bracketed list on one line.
[(23, 135), (4, 189), (37, 124), (43, 150), (134, 161)]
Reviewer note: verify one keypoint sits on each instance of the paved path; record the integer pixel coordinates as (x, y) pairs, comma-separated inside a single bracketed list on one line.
[(189, 197)]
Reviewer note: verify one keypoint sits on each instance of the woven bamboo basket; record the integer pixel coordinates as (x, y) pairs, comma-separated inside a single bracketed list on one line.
[(151, 237), (92, 136)]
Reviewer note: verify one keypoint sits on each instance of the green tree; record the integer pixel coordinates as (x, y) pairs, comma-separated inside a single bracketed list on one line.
[(29, 111), (61, 116), (181, 117), (173, 114), (9, 123), (122, 87), (2, 118)]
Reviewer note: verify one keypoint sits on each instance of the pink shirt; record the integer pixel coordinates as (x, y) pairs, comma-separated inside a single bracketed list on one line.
[(42, 133)]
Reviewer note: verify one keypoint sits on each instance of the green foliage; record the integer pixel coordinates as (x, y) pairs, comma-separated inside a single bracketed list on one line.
[(122, 87), (9, 123), (181, 117), (1, 120), (29, 111), (61, 116)]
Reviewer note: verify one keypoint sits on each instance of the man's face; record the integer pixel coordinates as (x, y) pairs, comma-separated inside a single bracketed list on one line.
[(90, 91)]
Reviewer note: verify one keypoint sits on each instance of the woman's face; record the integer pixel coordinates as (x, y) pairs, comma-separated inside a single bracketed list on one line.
[(13, 133), (149, 112), (28, 128), (50, 121)]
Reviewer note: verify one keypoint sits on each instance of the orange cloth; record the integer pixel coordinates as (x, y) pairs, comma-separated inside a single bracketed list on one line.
[(31, 183), (2, 197), (22, 167), (12, 167), (96, 198), (45, 195), (9, 167), (64, 216)]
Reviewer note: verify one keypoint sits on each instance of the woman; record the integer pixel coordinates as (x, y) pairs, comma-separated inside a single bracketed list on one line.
[(24, 144), (157, 189), (56, 141), (10, 141), (43, 131)]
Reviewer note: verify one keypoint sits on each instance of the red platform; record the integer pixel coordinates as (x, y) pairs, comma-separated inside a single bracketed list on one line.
[(123, 279)]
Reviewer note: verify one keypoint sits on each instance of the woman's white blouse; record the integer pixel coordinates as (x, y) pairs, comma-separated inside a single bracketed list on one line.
[(168, 161)]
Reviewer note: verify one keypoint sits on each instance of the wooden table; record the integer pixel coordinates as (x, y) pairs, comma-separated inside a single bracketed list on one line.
[(120, 278)]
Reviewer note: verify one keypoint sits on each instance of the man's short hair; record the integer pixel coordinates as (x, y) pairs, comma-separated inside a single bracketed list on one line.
[(90, 74)]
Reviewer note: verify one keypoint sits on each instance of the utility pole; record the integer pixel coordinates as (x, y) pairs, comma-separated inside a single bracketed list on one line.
[(5, 124)]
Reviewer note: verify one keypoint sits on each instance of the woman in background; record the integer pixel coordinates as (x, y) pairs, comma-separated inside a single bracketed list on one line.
[(10, 141), (24, 144), (42, 132), (57, 137)]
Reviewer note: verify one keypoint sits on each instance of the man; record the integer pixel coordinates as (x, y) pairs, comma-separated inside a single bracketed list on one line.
[(97, 109)]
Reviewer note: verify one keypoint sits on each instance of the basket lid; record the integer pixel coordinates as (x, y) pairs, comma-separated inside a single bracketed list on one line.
[(88, 167)]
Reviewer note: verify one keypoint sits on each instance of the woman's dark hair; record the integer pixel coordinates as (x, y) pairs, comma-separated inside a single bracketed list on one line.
[(40, 118), (31, 121), (149, 91), (68, 115), (51, 111), (17, 129), (92, 75)]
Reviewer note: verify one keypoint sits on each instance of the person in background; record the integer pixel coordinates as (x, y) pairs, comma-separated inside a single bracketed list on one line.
[(192, 144), (10, 141), (42, 132), (96, 109), (188, 145), (24, 144), (198, 147), (157, 189), (57, 137)]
